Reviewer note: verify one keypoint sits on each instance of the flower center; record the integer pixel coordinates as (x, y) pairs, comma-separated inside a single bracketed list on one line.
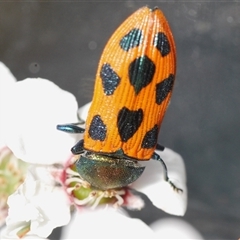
[(83, 194)]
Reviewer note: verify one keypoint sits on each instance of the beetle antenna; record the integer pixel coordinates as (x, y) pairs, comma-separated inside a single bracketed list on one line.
[(156, 157)]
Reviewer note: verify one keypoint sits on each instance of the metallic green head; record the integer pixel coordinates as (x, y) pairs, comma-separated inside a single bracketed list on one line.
[(107, 172)]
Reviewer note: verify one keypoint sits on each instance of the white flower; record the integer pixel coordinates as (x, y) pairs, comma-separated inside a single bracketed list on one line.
[(12, 174), (12, 170), (32, 111), (6, 81), (160, 192), (29, 236), (32, 115), (106, 224), (115, 224), (174, 228), (35, 208)]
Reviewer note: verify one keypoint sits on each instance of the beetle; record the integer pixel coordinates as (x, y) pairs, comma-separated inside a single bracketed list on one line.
[(133, 86)]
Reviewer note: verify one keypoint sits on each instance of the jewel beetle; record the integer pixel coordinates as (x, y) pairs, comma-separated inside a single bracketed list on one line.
[(133, 86)]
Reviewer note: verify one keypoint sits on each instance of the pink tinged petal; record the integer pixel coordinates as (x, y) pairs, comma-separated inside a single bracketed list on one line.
[(32, 112), (6, 81), (40, 206), (133, 202), (12, 174), (173, 228), (105, 224), (160, 192)]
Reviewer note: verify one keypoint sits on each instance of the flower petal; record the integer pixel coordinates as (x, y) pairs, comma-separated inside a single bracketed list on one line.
[(3, 236), (160, 192), (12, 174), (6, 77), (83, 111), (105, 224), (31, 114), (6, 81), (173, 228), (41, 206)]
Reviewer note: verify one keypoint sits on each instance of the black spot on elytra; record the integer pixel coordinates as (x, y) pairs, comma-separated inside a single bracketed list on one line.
[(110, 79), (132, 39), (97, 129), (150, 138), (162, 44), (163, 88), (128, 122), (141, 72)]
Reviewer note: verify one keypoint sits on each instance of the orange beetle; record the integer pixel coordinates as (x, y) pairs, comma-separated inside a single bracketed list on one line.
[(133, 87)]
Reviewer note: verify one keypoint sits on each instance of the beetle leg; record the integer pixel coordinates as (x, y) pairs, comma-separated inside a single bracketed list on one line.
[(156, 157), (160, 147), (70, 128), (78, 148)]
